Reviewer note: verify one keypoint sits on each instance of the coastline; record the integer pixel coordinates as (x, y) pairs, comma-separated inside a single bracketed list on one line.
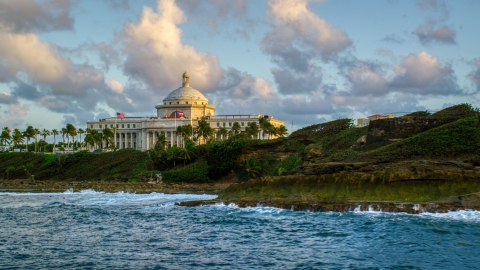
[(25, 185)]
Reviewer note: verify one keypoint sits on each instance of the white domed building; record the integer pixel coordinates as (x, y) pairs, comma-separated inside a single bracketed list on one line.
[(183, 106)]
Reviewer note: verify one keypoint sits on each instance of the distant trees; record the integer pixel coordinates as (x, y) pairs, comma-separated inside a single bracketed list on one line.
[(5, 136)]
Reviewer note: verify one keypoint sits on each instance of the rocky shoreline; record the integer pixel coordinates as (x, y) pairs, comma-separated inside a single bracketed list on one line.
[(467, 202), (26, 185)]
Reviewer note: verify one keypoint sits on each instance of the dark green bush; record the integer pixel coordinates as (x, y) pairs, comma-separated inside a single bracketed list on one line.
[(186, 174), (222, 156)]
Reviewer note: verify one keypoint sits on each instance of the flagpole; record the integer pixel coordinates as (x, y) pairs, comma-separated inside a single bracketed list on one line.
[(175, 131), (115, 132)]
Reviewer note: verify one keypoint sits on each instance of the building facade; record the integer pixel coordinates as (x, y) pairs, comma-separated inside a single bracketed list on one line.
[(183, 106)]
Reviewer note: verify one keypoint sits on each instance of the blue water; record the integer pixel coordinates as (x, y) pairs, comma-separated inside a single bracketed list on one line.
[(95, 230)]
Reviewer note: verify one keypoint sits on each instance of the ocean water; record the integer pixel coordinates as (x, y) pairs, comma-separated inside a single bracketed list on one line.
[(96, 230)]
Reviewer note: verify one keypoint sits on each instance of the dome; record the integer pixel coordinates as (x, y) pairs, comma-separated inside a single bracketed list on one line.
[(185, 93)]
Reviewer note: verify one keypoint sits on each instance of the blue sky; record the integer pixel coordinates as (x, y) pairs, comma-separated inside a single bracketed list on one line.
[(304, 61)]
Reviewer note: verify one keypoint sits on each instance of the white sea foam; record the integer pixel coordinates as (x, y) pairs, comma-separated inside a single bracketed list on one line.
[(91, 197), (461, 215)]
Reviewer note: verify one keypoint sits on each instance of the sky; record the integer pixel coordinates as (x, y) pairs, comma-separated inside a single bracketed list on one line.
[(301, 61)]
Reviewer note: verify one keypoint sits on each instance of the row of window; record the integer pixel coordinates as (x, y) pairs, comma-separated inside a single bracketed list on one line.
[(230, 124), (117, 126), (170, 103)]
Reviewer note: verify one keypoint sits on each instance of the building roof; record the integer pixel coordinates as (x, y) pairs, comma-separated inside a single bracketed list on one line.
[(185, 92)]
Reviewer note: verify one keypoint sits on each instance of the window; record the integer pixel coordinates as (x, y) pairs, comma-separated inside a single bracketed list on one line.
[(218, 124), (186, 102), (91, 126), (230, 124), (111, 126), (170, 103), (178, 102), (123, 125), (100, 126), (133, 125), (223, 124), (128, 125), (116, 125), (243, 124)]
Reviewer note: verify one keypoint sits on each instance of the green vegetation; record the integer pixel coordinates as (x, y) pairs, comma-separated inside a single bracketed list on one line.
[(449, 140), (460, 109), (324, 189)]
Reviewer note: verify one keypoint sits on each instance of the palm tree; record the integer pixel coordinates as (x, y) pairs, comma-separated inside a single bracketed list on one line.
[(265, 126), (45, 133), (184, 132), (17, 137), (36, 133), (282, 131), (174, 154), (252, 130), (236, 128), (188, 151), (42, 144), (71, 131), (81, 131), (204, 130), (252, 168), (92, 138), (5, 136), (64, 132), (108, 136), (161, 143), (223, 132), (54, 133), (28, 133)]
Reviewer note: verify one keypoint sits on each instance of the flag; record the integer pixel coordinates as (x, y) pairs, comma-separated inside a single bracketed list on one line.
[(120, 115), (178, 114)]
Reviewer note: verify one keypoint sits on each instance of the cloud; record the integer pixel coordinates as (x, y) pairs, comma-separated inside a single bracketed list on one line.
[(423, 74), (299, 34), (115, 85), (291, 82), (156, 55), (475, 74), (393, 38), (434, 5), (15, 114), (5, 98), (311, 105), (427, 33), (367, 78), (39, 16)]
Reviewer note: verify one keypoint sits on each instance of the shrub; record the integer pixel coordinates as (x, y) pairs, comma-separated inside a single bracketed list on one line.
[(186, 174), (222, 157)]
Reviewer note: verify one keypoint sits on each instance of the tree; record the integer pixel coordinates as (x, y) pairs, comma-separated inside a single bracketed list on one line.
[(236, 128), (265, 126), (64, 132), (281, 131), (174, 153), (204, 130), (5, 137), (108, 136), (188, 152), (161, 143), (42, 144), (252, 130), (81, 131), (222, 132), (36, 133), (252, 168), (184, 132), (28, 133), (71, 131), (54, 133), (17, 137), (45, 133), (92, 138)]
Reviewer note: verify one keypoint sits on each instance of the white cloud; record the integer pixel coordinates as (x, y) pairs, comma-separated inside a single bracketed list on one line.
[(156, 54), (115, 85)]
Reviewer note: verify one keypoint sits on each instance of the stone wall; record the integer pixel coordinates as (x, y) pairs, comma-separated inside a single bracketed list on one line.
[(385, 130)]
